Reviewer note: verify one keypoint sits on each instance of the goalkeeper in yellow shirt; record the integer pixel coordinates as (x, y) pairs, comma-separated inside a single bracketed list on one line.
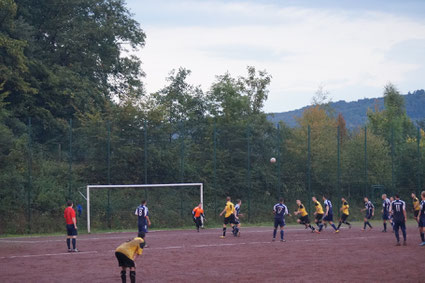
[(126, 254)]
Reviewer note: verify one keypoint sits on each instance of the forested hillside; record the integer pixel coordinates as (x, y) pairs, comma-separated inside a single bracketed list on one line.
[(73, 111), (355, 112)]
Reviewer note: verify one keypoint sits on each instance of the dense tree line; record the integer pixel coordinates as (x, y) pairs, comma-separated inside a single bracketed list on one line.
[(73, 112)]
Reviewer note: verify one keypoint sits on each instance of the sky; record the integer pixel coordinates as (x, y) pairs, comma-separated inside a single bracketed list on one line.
[(350, 49)]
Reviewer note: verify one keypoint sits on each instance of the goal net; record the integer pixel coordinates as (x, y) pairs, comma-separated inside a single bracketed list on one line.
[(118, 202)]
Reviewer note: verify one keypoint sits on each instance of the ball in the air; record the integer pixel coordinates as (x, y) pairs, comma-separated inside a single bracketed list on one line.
[(272, 160)]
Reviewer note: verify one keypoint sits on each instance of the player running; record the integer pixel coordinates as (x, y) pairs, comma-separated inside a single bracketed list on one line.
[(71, 227), (318, 213), (385, 211), (127, 253), (329, 216), (198, 215), (236, 231), (421, 219), (344, 214), (416, 206), (303, 218), (370, 211), (229, 217), (398, 210), (143, 220), (279, 211)]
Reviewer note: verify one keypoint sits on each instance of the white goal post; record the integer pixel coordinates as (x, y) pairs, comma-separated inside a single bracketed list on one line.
[(200, 185)]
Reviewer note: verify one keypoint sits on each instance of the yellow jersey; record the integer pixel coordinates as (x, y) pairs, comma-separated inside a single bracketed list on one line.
[(131, 248), (345, 208), (230, 209), (416, 205), (319, 208), (302, 211)]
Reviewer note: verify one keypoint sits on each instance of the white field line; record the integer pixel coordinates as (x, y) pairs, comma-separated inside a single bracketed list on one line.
[(200, 246), (84, 238)]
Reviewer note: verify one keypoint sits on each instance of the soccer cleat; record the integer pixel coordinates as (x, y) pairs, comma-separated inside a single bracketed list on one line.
[(315, 231), (363, 229), (69, 250), (273, 239), (398, 244), (222, 237), (422, 244), (283, 240), (239, 233), (349, 226), (336, 231), (404, 243), (384, 231), (75, 250)]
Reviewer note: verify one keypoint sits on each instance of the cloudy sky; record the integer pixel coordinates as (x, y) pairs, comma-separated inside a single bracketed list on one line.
[(350, 48)]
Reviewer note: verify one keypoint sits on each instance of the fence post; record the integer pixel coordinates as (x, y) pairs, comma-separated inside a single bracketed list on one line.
[(182, 149), (29, 175), (70, 160), (392, 159), (365, 161), (215, 169), (339, 168), (145, 157), (278, 167), (419, 160), (248, 136), (309, 166), (108, 209)]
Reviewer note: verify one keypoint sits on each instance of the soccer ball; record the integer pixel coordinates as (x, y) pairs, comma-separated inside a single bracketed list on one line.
[(272, 160)]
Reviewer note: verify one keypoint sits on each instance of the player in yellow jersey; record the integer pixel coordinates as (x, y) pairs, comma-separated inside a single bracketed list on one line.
[(416, 206), (303, 216), (345, 213), (126, 254), (319, 213), (229, 216)]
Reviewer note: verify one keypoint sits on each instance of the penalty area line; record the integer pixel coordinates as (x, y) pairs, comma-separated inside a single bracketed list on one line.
[(39, 255)]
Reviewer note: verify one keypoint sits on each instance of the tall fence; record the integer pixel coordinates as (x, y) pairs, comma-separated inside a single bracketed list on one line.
[(230, 159)]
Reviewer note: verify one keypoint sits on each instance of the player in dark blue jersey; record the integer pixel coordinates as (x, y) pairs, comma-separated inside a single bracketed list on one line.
[(398, 211), (236, 231), (279, 211), (143, 220), (370, 211), (421, 219), (329, 216), (385, 211)]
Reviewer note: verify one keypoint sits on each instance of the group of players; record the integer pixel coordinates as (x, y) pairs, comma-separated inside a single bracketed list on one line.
[(393, 211)]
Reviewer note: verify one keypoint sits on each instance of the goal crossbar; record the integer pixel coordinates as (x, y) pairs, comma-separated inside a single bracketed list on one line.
[(201, 189)]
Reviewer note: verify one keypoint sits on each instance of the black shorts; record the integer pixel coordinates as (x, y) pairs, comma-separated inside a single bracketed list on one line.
[(398, 225), (329, 217), (344, 217), (368, 215), (70, 230), (231, 219), (422, 221), (416, 213), (304, 220), (319, 217), (123, 260)]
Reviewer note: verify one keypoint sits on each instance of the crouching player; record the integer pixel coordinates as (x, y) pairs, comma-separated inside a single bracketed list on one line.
[(127, 253), (198, 215), (303, 218)]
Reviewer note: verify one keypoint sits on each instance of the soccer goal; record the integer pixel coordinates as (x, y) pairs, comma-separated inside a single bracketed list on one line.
[(91, 187)]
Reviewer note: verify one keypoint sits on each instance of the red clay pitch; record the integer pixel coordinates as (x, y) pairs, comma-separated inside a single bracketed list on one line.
[(188, 256)]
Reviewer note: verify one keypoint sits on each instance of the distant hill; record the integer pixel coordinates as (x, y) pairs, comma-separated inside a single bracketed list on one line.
[(355, 112)]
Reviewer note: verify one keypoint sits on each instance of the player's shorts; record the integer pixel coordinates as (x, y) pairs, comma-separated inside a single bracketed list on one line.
[(143, 227), (368, 215), (231, 219), (399, 224), (279, 222), (421, 221), (237, 221), (329, 217), (416, 213), (319, 217), (385, 216), (304, 220), (70, 230), (344, 217), (123, 260)]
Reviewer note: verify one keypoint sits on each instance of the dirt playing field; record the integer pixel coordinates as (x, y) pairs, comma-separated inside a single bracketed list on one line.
[(188, 256)]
